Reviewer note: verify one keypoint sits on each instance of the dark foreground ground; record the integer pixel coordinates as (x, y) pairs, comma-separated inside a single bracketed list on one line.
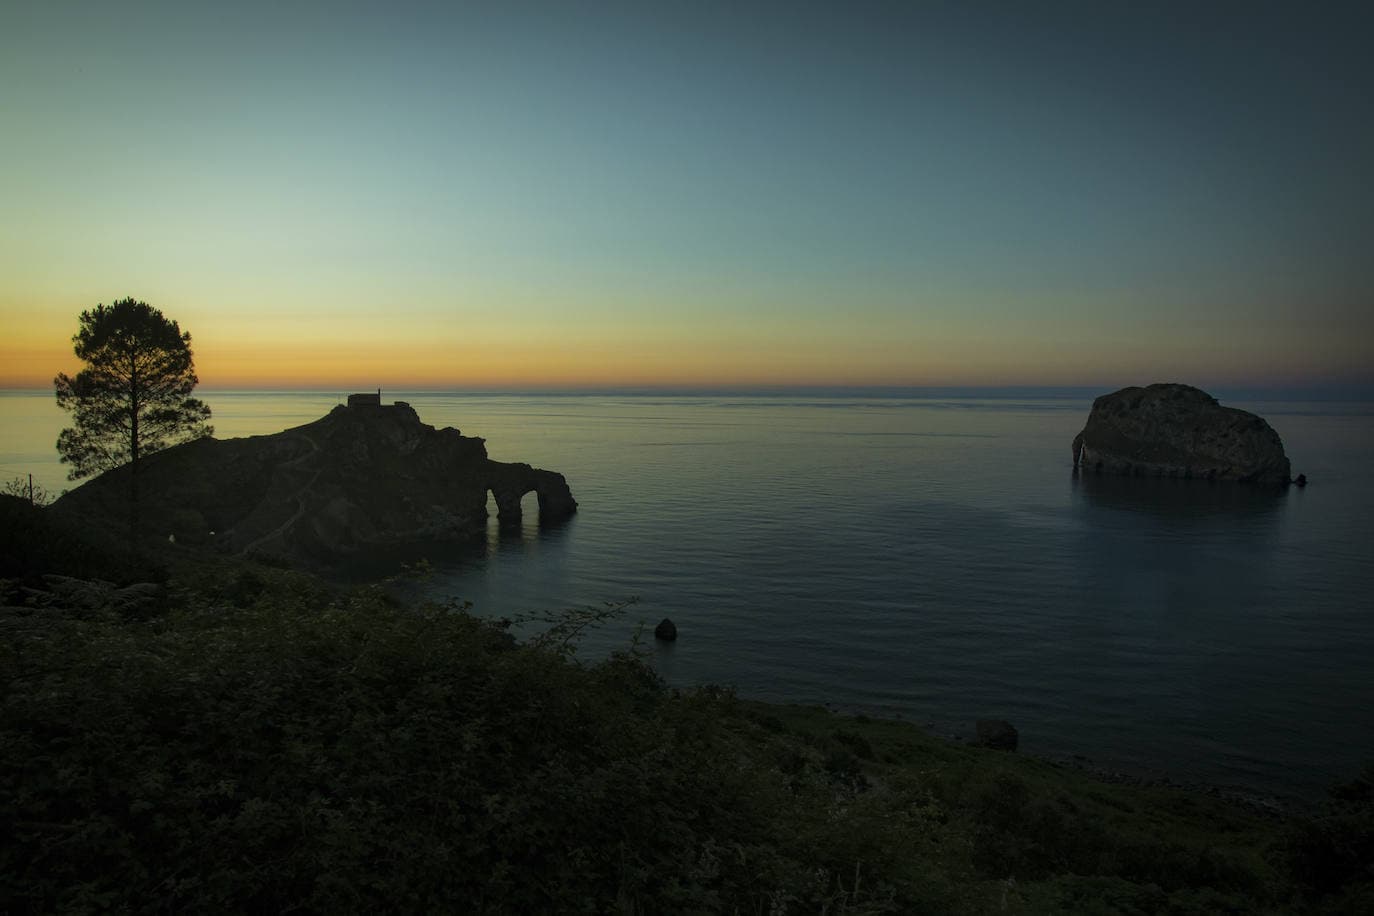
[(240, 738)]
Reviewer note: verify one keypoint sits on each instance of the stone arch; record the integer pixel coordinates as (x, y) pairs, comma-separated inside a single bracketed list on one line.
[(510, 482), (509, 512)]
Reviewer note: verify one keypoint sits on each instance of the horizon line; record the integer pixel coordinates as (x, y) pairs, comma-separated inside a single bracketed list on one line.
[(1322, 390)]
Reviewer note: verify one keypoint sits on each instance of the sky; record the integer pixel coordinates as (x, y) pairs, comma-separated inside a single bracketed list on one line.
[(581, 194)]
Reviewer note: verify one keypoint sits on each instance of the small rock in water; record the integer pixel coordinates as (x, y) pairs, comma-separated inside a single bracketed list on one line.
[(997, 734), (666, 630), (1300, 480)]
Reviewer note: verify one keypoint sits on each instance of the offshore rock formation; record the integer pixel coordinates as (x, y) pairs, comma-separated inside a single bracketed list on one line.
[(1169, 430), (360, 476)]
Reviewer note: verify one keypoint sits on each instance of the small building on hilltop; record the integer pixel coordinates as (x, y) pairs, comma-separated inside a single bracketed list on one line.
[(366, 399)]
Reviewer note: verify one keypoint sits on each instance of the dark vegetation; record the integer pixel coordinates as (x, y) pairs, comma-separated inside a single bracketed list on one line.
[(269, 743), (34, 541), (30, 492)]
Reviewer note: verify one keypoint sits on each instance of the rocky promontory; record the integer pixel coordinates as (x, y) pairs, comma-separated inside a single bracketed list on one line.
[(363, 475), (1171, 430)]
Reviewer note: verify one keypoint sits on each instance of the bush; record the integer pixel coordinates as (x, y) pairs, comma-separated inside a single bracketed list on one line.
[(351, 755), (24, 488), (34, 541), (1332, 854)]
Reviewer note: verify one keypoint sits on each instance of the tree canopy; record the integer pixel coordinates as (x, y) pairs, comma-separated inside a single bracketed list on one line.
[(133, 397)]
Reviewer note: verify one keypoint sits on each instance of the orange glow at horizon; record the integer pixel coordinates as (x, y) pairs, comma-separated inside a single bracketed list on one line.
[(714, 345), (511, 363)]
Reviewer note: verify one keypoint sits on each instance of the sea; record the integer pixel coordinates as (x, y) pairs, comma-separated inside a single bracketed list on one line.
[(928, 556)]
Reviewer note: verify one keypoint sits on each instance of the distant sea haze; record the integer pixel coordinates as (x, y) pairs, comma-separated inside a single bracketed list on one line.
[(930, 557)]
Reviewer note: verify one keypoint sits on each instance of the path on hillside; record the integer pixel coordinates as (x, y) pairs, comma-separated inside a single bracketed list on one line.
[(299, 495)]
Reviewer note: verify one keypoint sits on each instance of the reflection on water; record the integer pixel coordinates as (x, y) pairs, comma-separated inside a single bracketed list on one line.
[(524, 536), (528, 542), (1178, 499)]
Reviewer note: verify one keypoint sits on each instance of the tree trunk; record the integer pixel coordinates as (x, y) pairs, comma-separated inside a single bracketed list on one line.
[(133, 506), (133, 460)]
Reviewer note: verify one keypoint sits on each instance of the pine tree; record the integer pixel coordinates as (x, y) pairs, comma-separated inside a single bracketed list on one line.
[(133, 397)]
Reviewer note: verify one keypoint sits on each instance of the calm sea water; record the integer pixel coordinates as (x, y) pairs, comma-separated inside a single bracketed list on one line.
[(933, 559)]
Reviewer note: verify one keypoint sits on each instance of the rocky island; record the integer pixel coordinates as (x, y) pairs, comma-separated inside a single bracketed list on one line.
[(363, 475), (1172, 430)]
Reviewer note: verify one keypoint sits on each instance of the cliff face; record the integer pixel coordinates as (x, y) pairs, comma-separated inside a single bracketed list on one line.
[(357, 477), (1172, 430)]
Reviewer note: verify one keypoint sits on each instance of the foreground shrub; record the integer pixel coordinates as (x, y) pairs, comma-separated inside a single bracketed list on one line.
[(35, 540), (1332, 854), (348, 755)]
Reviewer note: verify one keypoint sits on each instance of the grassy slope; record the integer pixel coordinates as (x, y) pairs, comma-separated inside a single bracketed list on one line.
[(1060, 841), (273, 744)]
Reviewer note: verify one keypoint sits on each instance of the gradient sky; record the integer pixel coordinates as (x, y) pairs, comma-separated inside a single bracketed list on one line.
[(570, 193)]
